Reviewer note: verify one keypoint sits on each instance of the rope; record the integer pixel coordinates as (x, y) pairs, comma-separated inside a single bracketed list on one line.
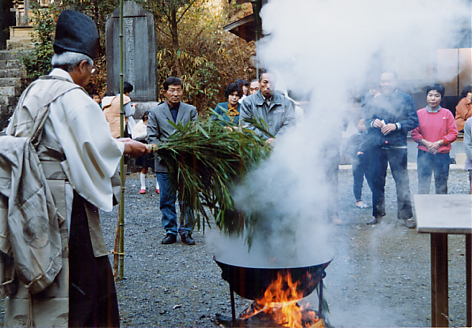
[(30, 321)]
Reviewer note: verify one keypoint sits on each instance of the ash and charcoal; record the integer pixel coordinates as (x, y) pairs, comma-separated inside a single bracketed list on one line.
[(253, 317)]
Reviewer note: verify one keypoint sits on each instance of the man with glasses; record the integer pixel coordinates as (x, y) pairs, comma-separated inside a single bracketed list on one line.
[(159, 129)]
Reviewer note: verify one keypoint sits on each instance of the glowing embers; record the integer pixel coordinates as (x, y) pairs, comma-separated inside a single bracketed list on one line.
[(279, 307)]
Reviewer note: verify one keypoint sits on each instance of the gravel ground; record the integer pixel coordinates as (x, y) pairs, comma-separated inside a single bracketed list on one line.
[(379, 277)]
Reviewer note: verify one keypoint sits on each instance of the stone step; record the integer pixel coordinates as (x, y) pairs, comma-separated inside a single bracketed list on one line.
[(8, 91), (10, 55), (10, 82), (9, 64), (15, 45), (9, 73), (17, 32)]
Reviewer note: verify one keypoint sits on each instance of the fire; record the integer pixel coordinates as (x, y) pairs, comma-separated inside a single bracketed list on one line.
[(280, 302)]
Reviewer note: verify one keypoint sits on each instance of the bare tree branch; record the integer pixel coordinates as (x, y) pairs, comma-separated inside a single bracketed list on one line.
[(199, 33), (167, 14), (163, 32), (186, 9)]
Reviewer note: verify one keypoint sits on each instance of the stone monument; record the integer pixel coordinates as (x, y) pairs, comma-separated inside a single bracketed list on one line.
[(139, 54)]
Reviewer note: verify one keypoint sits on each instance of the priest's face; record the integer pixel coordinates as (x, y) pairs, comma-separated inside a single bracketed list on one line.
[(173, 94), (82, 73)]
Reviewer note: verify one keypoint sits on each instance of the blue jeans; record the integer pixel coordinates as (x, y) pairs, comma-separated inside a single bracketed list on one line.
[(167, 207), (397, 158), (361, 169), (427, 163)]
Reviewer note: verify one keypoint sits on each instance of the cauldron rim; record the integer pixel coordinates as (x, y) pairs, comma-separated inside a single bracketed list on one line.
[(274, 267)]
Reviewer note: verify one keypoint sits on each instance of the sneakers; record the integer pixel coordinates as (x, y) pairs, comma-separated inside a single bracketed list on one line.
[(187, 239), (374, 220), (169, 239), (360, 204), (142, 191), (410, 224)]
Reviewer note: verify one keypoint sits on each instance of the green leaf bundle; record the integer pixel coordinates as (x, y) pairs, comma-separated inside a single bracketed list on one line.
[(206, 159)]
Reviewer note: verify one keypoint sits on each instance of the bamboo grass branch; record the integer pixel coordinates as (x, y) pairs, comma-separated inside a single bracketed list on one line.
[(205, 161)]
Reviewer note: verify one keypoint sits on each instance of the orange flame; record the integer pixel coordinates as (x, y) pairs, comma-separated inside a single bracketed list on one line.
[(280, 301)]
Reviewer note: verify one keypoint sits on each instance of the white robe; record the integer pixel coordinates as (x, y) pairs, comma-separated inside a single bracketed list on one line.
[(79, 126)]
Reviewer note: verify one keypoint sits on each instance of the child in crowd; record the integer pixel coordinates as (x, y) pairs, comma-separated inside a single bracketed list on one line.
[(360, 164), (139, 133), (96, 97)]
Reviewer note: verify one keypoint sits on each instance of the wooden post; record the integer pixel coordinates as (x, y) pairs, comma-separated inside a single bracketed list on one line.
[(439, 282), (468, 276)]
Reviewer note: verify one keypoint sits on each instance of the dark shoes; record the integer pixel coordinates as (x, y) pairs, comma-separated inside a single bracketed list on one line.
[(169, 239), (373, 221), (410, 223), (187, 239)]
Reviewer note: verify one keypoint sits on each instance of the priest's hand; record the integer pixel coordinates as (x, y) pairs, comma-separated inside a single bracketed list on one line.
[(134, 148)]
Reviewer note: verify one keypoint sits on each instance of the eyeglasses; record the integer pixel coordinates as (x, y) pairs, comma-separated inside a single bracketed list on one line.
[(93, 70), (174, 90)]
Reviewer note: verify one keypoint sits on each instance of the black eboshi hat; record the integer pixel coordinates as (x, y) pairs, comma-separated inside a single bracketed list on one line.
[(77, 33)]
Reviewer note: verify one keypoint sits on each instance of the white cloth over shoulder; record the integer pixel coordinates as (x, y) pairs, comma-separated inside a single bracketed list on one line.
[(92, 155), (29, 221), (139, 132)]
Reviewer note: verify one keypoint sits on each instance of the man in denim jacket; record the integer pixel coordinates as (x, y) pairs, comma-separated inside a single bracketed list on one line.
[(390, 116)]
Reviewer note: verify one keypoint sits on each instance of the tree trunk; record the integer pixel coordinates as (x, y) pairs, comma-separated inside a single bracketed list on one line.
[(175, 39)]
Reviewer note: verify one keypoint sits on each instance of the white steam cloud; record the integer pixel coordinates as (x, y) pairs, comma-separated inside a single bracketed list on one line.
[(331, 49), (328, 46)]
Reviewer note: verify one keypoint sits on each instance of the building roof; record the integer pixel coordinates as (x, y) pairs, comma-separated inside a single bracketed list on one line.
[(244, 28)]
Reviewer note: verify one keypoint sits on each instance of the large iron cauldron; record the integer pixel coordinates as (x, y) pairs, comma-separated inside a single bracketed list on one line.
[(251, 283)]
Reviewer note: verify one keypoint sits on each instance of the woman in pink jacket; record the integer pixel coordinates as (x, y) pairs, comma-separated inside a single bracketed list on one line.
[(434, 135)]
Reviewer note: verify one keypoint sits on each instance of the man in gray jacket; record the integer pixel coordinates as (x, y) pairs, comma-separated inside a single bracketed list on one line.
[(158, 130), (272, 107)]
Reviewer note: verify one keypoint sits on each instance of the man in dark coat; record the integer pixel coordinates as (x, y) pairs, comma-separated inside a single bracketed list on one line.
[(390, 116)]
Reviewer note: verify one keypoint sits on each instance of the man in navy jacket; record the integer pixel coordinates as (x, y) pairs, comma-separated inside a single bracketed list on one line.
[(390, 116)]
